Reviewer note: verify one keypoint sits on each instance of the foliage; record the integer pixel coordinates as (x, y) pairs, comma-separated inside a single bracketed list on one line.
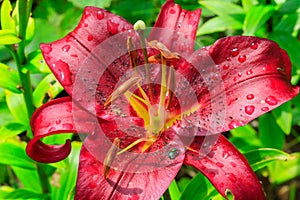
[(271, 143)]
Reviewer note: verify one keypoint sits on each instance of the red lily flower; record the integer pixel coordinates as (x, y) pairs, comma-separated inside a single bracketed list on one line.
[(149, 109)]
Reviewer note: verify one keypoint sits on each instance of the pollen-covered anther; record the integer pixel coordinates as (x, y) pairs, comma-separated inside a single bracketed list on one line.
[(110, 156), (165, 52), (122, 89)]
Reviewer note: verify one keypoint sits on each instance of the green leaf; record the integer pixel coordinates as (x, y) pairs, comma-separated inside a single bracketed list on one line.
[(287, 23), (281, 172), (174, 191), (5, 115), (13, 153), (256, 17), (49, 87), (11, 129), (289, 6), (218, 24), (260, 158), (284, 117), (17, 107), (9, 78), (8, 36), (200, 188), (248, 4), (222, 7), (36, 63), (97, 3), (64, 179), (270, 133), (245, 138), (24, 194), (6, 21), (29, 178)]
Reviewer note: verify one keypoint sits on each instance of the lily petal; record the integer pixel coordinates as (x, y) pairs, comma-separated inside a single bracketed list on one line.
[(54, 117), (176, 24), (132, 181), (255, 74), (65, 56), (226, 168)]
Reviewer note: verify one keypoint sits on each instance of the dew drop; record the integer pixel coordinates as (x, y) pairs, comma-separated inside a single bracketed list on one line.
[(226, 66), (57, 121), (235, 52), (264, 109), (100, 15), (234, 124), (172, 11), (51, 129), (67, 126), (225, 155), (231, 177), (228, 59), (271, 100), (46, 49), (66, 48), (173, 153), (249, 109), (61, 69), (74, 55), (239, 74), (249, 72), (233, 164), (242, 58), (253, 45), (219, 164), (90, 38), (250, 96), (211, 174), (112, 27)]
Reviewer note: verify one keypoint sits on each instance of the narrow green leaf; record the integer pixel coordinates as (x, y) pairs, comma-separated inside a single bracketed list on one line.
[(48, 88), (24, 194), (100, 4), (196, 189), (36, 63), (248, 4), (260, 158), (284, 117), (287, 23), (64, 179), (222, 7), (256, 17), (281, 172), (29, 178), (270, 133), (174, 191), (5, 115), (17, 107), (223, 23), (6, 21), (289, 6), (13, 153), (8, 36), (5, 190), (9, 78), (11, 129)]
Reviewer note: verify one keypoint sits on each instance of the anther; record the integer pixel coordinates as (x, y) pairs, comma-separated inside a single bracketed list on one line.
[(110, 156)]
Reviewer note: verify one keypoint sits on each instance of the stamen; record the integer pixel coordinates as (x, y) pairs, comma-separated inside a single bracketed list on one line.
[(171, 86), (163, 86), (110, 156), (122, 89), (132, 52), (166, 53)]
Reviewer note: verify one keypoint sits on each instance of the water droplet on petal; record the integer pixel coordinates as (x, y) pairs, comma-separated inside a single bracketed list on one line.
[(67, 126), (226, 66), (211, 174), (46, 49), (271, 100), (219, 164), (250, 96), (66, 48), (249, 72), (264, 109), (57, 121), (233, 124), (225, 155), (239, 74), (235, 52), (253, 45), (90, 38), (100, 15), (249, 109), (173, 153), (51, 129), (61, 69), (233, 164), (112, 27), (172, 11), (242, 58), (231, 177)]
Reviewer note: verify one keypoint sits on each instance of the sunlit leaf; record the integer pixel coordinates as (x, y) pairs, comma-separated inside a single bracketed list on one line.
[(248, 4), (256, 17), (9, 78), (174, 191), (11, 129), (284, 117), (8, 36), (6, 21), (222, 7), (260, 158), (28, 177), (17, 107), (100, 4)]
